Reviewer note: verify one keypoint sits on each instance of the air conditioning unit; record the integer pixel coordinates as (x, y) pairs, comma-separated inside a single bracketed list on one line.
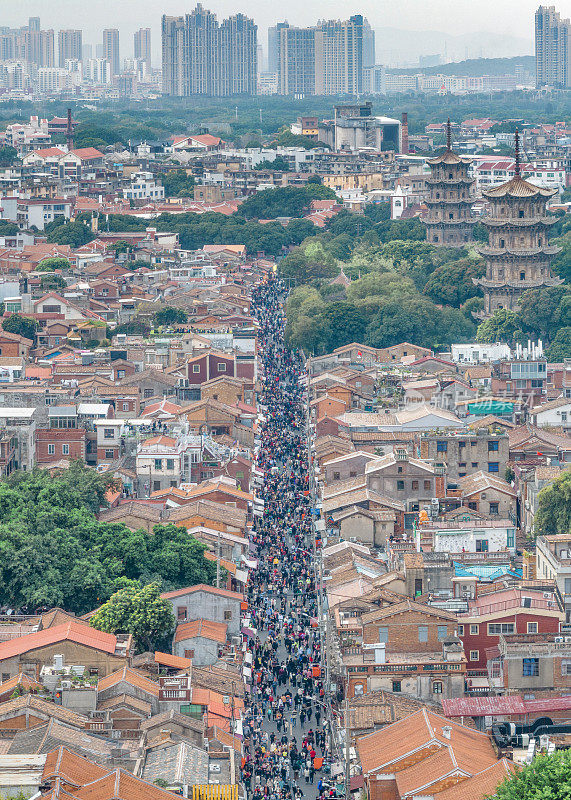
[(214, 767), (66, 684), (547, 595), (434, 501), (567, 639), (559, 639)]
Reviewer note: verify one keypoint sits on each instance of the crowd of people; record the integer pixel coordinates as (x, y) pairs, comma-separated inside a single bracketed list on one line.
[(285, 744)]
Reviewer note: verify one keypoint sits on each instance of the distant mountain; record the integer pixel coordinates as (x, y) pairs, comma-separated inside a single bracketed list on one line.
[(396, 47), (476, 66)]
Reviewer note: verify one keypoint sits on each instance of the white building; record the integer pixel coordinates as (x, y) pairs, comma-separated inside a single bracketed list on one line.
[(486, 536), (144, 187), (553, 414), (97, 70), (479, 353)]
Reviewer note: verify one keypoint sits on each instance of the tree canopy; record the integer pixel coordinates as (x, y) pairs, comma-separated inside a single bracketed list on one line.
[(170, 316), (178, 183), (51, 264), (138, 610), (554, 509), (23, 326), (55, 552), (546, 778)]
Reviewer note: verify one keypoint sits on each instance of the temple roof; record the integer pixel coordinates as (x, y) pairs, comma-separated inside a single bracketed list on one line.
[(517, 187), (449, 157)]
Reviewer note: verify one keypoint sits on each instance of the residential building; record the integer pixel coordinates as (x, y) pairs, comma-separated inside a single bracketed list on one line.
[(532, 662), (200, 640), (143, 186), (428, 755), (470, 536), (206, 602), (552, 48), (201, 57), (506, 611), (111, 50), (462, 453), (295, 53), (354, 127), (69, 46), (553, 564), (339, 57), (142, 46)]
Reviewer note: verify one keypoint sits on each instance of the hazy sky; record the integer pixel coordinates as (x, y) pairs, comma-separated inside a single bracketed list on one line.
[(509, 17)]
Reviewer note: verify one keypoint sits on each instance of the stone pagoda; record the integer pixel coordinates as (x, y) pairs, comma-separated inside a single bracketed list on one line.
[(518, 254), (449, 219)]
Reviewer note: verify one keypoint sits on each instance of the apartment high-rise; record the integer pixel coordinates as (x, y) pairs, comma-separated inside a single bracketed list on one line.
[(201, 57), (368, 45), (111, 49), (295, 60), (69, 46), (326, 59), (142, 45), (552, 48)]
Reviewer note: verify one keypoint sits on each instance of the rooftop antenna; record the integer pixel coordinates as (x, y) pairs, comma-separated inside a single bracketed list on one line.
[(69, 130), (448, 135), (517, 172)]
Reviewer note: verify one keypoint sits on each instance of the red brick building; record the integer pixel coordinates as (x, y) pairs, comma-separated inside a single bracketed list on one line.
[(53, 444)]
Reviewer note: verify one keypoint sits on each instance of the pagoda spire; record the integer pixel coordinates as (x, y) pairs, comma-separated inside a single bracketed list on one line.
[(448, 135), (517, 172)]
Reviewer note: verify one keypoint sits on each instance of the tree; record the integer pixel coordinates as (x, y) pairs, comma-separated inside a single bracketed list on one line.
[(545, 310), (548, 777), (52, 264), (345, 322), (23, 326), (452, 283), (138, 610), (560, 347), (308, 264), (502, 326), (178, 183), (75, 234), (52, 282), (170, 316), (8, 155), (279, 164), (554, 509)]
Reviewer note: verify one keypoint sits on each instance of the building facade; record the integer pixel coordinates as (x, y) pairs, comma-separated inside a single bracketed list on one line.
[(142, 45), (69, 46), (552, 48), (111, 49), (201, 57)]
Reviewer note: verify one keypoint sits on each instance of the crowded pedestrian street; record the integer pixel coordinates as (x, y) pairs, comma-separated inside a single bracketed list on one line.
[(285, 744)]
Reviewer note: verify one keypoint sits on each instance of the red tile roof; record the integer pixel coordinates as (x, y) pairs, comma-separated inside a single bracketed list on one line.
[(70, 631), (202, 587), (205, 628)]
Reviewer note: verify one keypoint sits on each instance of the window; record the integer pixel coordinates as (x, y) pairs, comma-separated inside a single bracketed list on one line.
[(336, 476), (359, 689), (461, 444), (532, 627), (474, 630), (423, 633), (396, 686), (442, 632), (566, 666), (108, 433), (493, 466), (399, 470), (437, 687), (222, 366), (156, 486), (494, 508), (400, 486), (196, 368), (474, 655), (427, 485), (474, 464), (495, 628), (383, 635), (493, 446), (530, 667), (158, 464), (125, 406), (51, 449), (511, 537), (496, 669), (415, 486), (460, 630), (110, 454), (170, 463), (189, 653), (481, 546), (181, 612), (65, 449), (441, 447), (228, 614)]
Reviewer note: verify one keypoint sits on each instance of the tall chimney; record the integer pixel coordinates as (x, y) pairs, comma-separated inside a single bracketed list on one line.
[(69, 131), (404, 133)]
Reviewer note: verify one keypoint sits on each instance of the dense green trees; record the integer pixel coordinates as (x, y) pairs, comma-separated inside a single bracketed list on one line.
[(51, 264), (546, 778), (542, 314), (554, 509), (177, 183), (23, 326), (287, 201), (75, 234), (53, 550), (452, 283), (279, 164), (170, 316), (138, 610), (560, 347)]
